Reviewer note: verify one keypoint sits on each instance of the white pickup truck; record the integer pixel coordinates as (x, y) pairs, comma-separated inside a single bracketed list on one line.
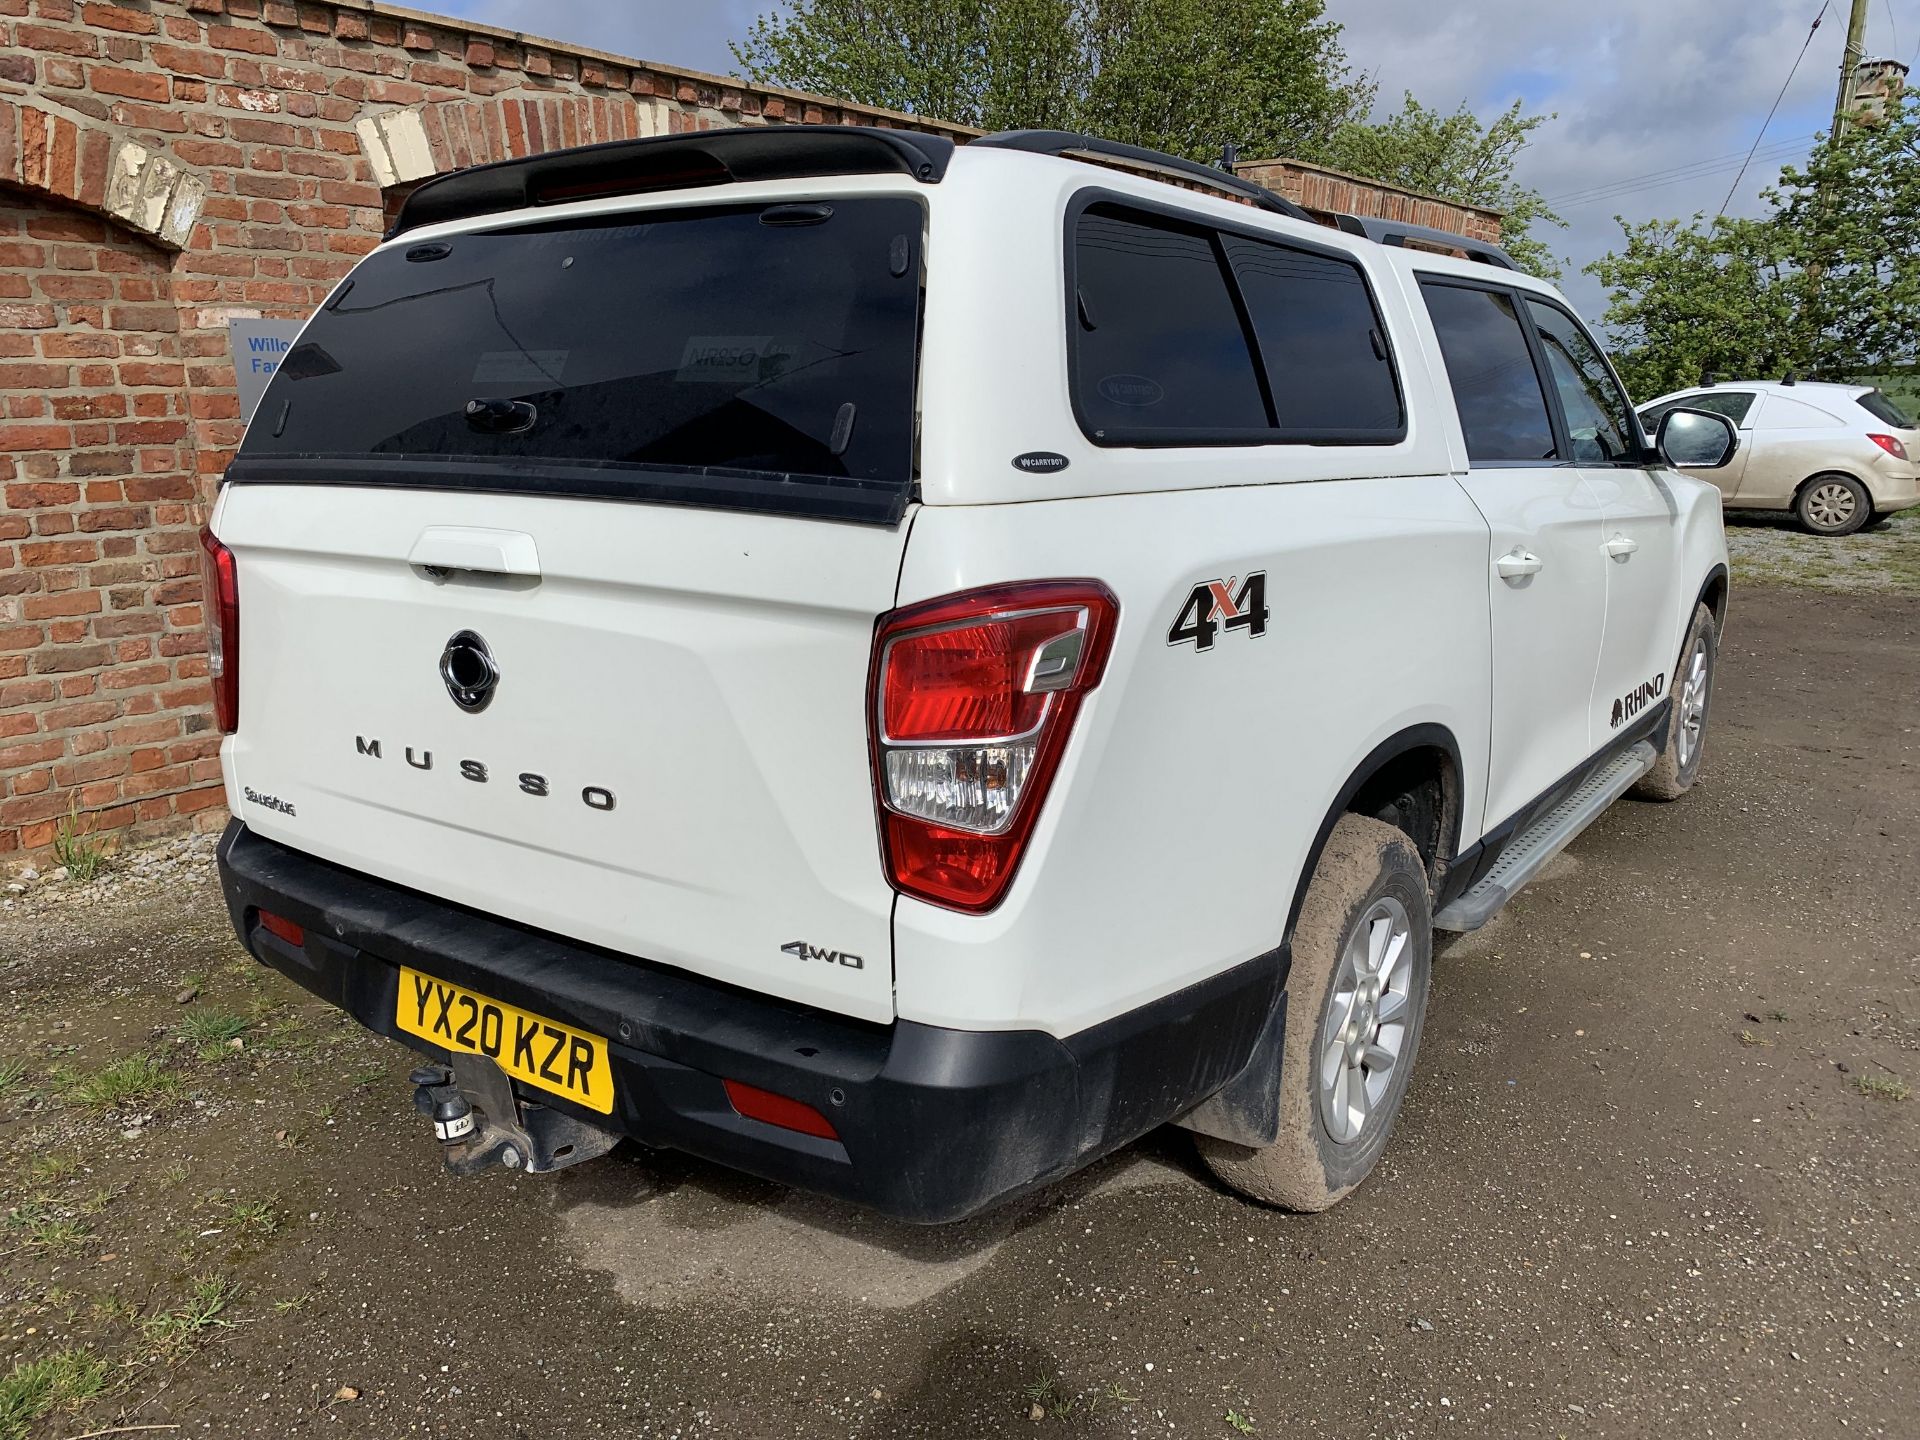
[(901, 668)]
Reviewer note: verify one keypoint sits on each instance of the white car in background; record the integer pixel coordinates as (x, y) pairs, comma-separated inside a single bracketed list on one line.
[(1838, 456)]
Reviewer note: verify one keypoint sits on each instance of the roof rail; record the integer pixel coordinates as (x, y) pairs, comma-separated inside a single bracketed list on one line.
[(1394, 232), (665, 162), (1066, 142)]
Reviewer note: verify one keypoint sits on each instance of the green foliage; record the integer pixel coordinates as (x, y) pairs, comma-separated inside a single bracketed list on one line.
[(1827, 284), (1184, 76), (65, 1379), (1456, 157), (1691, 301), (124, 1082), (83, 856)]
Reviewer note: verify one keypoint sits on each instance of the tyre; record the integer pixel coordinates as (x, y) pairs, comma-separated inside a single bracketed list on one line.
[(1833, 505), (1678, 767), (1356, 998)]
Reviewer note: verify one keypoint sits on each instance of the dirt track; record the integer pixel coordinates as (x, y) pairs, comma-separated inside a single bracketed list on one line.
[(1636, 1190)]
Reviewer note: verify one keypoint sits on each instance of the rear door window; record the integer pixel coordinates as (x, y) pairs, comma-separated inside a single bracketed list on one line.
[(1503, 409), (758, 341), (1159, 352), (1322, 342)]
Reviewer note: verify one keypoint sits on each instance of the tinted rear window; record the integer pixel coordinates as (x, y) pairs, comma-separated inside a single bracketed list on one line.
[(776, 341), (1883, 409), (1160, 352), (1322, 341)]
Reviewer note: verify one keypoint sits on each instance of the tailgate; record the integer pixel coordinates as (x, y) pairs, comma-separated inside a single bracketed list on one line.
[(673, 762), (551, 599)]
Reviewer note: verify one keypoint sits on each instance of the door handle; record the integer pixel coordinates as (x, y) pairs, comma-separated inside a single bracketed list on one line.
[(1517, 564), (1620, 548), (468, 547)]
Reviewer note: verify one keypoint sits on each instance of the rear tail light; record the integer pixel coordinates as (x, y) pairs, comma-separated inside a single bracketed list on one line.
[(1891, 444), (222, 608), (974, 696), (771, 1109)]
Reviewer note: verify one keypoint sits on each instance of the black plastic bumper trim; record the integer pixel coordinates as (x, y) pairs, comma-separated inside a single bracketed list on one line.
[(935, 1124)]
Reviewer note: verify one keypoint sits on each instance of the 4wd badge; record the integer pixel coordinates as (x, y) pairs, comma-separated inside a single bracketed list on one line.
[(1215, 605)]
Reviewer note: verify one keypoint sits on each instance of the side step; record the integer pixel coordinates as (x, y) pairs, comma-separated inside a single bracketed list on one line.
[(1528, 852)]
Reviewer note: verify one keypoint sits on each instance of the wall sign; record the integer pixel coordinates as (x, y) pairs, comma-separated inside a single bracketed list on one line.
[(258, 347)]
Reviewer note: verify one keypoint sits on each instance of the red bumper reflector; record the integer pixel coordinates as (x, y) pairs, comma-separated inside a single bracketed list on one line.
[(757, 1104), (284, 928)]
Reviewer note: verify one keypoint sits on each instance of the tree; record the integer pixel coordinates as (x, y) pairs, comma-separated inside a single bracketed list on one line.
[(1184, 76), (1826, 283), (1694, 301), (1850, 224), (1456, 157)]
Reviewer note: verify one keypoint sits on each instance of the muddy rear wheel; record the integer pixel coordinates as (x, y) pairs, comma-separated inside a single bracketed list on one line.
[(1356, 1000)]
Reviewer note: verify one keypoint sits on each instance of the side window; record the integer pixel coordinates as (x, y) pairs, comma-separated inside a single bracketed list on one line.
[(1159, 352), (1502, 407), (1595, 406), (1734, 404), (1322, 342)]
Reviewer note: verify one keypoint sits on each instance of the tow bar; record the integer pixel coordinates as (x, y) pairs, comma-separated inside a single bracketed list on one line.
[(479, 1123)]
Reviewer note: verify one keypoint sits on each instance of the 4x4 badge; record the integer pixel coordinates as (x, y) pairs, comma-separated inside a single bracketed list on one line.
[(468, 668), (1216, 605)]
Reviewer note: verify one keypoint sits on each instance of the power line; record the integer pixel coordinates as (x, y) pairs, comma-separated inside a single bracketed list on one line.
[(1692, 170), (1792, 71), (1893, 25)]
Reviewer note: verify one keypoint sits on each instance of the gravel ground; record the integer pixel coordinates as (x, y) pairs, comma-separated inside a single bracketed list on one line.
[(1769, 548), (1654, 1177)]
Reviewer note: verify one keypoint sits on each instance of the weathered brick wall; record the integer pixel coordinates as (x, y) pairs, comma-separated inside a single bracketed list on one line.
[(166, 165), (1328, 192)]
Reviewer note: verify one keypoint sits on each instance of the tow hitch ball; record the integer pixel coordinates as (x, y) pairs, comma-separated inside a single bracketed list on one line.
[(499, 1129), (435, 1095)]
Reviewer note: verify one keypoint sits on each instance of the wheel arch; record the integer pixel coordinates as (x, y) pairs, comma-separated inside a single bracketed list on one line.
[(1246, 1110), (1713, 594), (1417, 750)]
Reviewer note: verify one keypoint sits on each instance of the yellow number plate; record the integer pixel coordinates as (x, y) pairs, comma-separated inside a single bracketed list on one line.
[(529, 1047)]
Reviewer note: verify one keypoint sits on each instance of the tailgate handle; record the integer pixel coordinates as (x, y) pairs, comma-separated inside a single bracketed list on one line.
[(468, 547)]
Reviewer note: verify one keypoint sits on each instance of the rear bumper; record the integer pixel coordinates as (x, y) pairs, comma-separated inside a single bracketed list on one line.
[(933, 1124)]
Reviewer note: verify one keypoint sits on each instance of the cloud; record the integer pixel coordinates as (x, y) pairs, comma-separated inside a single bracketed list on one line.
[(1670, 90), (1664, 89)]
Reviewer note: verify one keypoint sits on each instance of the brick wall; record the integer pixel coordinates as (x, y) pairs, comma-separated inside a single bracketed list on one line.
[(166, 165), (1326, 192)]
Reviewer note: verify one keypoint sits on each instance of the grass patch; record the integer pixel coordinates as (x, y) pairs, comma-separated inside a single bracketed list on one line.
[(254, 1216), (46, 1170), (41, 1227), (64, 1380), (211, 1031), (84, 856), (176, 1332), (12, 1074), (1882, 1087), (125, 1082)]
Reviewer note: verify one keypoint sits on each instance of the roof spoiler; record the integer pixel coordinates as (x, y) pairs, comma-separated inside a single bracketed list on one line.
[(674, 162)]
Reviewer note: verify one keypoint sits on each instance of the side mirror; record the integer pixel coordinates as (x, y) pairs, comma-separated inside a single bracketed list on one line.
[(1696, 439)]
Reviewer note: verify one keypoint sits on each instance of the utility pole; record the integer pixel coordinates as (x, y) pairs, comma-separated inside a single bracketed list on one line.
[(1855, 52)]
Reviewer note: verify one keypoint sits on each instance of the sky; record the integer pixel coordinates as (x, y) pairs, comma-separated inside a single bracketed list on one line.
[(1655, 101)]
